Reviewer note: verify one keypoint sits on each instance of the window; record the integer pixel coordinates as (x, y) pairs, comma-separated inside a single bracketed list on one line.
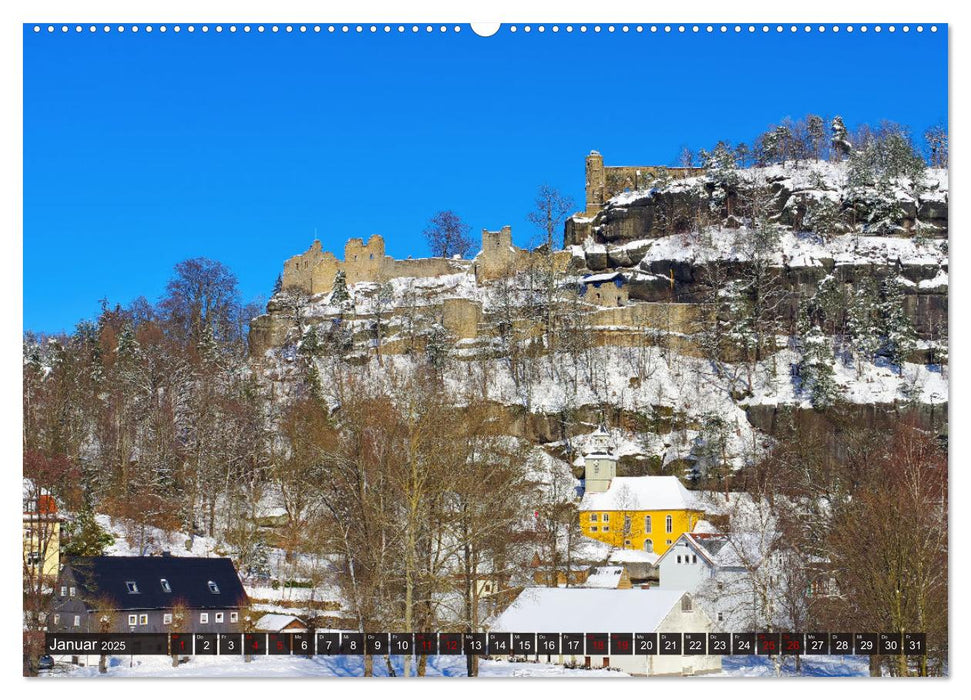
[(63, 591), (649, 546), (77, 620), (167, 619), (219, 617), (686, 604), (203, 618), (165, 585), (606, 528), (667, 541), (627, 543), (233, 616), (72, 591), (33, 558), (143, 619), (57, 618), (647, 523), (132, 620), (213, 588), (694, 558), (669, 524), (606, 517), (132, 586), (721, 617), (593, 528), (593, 517), (626, 523)]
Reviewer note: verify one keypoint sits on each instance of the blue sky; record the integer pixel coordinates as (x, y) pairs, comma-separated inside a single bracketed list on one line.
[(141, 150)]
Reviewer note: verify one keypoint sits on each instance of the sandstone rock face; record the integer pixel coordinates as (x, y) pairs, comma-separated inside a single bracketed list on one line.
[(676, 208)]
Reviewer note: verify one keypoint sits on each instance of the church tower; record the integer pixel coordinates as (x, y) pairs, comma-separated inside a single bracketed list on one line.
[(599, 464)]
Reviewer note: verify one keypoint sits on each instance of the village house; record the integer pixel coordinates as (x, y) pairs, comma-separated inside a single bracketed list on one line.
[(605, 289), (594, 610), (704, 563), (42, 534), (148, 594), (641, 566), (280, 624), (632, 512), (608, 577), (544, 574)]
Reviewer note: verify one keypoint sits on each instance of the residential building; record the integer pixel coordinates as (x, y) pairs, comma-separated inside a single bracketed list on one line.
[(42, 535), (608, 577), (280, 623), (148, 594)]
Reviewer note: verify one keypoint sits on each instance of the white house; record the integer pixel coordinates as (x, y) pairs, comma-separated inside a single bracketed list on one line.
[(710, 566), (692, 559), (593, 610)]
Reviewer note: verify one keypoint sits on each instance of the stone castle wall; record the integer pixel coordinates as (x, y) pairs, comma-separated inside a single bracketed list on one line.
[(604, 182), (314, 271)]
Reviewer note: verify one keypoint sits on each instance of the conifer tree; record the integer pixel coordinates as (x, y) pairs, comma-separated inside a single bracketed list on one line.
[(824, 217), (310, 343), (84, 537), (863, 323), (816, 364), (340, 294), (816, 132), (839, 142), (895, 325)]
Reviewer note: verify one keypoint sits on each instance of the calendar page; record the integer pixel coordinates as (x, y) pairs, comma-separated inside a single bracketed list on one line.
[(545, 349)]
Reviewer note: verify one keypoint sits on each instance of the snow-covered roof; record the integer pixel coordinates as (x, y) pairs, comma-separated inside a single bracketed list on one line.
[(587, 610), (641, 493), (705, 527), (632, 556), (604, 577), (275, 622), (720, 550)]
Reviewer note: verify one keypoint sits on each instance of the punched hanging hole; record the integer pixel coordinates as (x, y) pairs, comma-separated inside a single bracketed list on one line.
[(485, 28)]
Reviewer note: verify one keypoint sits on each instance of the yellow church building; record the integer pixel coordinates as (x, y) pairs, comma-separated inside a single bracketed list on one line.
[(647, 513)]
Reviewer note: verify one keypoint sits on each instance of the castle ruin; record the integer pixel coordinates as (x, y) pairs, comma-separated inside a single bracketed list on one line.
[(314, 271), (604, 182)]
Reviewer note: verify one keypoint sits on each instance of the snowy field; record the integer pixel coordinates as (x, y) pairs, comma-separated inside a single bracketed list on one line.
[(353, 666)]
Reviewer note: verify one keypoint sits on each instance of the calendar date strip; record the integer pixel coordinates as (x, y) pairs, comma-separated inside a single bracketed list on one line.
[(490, 643)]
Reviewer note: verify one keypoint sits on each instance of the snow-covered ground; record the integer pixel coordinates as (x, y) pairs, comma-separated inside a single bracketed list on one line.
[(866, 383), (300, 666), (353, 666)]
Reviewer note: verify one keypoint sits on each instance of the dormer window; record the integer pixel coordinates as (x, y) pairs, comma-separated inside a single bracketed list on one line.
[(213, 588), (132, 586), (165, 585)]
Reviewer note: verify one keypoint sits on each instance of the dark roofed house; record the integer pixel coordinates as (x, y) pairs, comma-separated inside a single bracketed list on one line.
[(141, 594)]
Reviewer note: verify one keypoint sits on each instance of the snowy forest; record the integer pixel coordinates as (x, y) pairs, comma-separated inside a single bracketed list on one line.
[(782, 349)]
